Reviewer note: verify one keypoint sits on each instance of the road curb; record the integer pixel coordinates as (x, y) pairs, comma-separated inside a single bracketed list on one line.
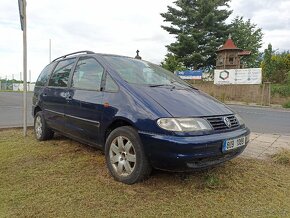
[(263, 146), (256, 105)]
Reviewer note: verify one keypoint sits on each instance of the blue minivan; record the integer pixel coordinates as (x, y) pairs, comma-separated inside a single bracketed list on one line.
[(141, 115)]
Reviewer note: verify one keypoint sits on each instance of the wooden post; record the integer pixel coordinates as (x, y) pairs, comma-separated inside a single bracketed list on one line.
[(262, 95), (268, 99)]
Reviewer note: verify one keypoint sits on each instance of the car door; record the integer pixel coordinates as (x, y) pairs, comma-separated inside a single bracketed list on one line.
[(55, 94), (85, 101)]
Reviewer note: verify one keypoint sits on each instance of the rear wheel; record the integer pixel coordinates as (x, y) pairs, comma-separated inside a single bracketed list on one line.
[(125, 156), (41, 130)]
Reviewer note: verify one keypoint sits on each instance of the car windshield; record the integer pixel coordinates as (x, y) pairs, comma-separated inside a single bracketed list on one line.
[(141, 72)]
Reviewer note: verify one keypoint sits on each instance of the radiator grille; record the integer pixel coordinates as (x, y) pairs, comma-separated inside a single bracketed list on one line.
[(220, 122)]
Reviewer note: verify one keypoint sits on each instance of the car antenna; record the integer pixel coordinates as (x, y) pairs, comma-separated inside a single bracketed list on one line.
[(137, 56)]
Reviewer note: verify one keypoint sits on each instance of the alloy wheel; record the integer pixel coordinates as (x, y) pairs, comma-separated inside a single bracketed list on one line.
[(122, 156), (38, 127)]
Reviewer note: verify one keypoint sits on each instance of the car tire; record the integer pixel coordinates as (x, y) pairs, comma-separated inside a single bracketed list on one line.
[(125, 156), (41, 130)]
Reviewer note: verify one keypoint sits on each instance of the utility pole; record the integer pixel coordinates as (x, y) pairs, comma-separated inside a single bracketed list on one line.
[(49, 50), (29, 81), (22, 13)]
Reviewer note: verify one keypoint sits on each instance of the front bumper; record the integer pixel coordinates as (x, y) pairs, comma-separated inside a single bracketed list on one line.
[(177, 153)]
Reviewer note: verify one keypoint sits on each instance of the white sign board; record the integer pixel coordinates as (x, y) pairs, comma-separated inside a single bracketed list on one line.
[(238, 76)]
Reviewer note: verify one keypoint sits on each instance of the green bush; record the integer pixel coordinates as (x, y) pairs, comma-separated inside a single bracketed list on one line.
[(286, 105), (282, 90)]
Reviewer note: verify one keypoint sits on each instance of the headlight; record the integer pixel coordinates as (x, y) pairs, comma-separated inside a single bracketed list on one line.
[(240, 119), (183, 124)]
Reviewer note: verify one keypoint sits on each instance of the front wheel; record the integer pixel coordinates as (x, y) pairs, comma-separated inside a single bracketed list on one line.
[(125, 156), (41, 130)]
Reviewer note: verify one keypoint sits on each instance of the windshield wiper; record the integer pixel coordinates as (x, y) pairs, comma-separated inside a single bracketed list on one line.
[(159, 85), (182, 85)]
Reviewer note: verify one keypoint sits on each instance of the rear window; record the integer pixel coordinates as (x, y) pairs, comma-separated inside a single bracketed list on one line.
[(44, 75), (61, 73)]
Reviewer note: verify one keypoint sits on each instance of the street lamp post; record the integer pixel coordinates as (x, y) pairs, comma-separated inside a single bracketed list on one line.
[(22, 13)]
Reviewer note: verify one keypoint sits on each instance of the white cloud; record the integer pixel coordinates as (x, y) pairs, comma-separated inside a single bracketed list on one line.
[(271, 15), (111, 26), (118, 27)]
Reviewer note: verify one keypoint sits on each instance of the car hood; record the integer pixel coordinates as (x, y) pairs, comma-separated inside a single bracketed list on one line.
[(185, 102)]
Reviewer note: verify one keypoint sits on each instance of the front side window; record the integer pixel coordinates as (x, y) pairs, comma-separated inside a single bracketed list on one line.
[(61, 73), (142, 72), (88, 74), (44, 75), (110, 86)]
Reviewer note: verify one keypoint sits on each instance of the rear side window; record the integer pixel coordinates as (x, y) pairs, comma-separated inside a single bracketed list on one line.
[(61, 73), (44, 75), (88, 74)]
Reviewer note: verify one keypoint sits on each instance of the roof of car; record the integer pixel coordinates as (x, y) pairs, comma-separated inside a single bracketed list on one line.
[(79, 53)]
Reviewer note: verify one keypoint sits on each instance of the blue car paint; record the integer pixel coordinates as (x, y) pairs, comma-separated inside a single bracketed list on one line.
[(179, 153), (140, 106), (184, 102)]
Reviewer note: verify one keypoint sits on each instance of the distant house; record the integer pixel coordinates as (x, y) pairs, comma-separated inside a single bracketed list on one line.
[(229, 56)]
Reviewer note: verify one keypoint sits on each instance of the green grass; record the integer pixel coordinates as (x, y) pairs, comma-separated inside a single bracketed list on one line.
[(63, 178), (8, 91), (12, 91)]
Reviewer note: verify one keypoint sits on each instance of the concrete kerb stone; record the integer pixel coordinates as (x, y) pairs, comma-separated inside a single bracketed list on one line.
[(262, 146), (253, 136), (284, 138), (274, 106), (267, 138)]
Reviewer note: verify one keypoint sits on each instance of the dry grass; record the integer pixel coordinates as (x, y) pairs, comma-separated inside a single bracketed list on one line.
[(282, 157), (62, 178)]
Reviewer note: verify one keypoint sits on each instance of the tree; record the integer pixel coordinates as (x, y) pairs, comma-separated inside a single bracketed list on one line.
[(276, 66), (200, 28), (172, 63), (267, 65), (280, 63), (247, 36)]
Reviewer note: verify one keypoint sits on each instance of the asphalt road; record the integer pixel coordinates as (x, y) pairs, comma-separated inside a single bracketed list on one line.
[(265, 120), (260, 120), (11, 112)]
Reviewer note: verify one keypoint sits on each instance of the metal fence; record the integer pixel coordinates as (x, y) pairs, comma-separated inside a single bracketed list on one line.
[(9, 86), (6, 85)]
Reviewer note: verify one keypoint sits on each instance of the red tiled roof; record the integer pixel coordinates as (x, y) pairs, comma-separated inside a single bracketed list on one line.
[(229, 45), (242, 53)]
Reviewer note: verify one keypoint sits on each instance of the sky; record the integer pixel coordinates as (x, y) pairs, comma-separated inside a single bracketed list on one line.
[(112, 26)]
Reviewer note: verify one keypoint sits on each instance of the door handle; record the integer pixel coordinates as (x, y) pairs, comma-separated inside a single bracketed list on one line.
[(68, 98)]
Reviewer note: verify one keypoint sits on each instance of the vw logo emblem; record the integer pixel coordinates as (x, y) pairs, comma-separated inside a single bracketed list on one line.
[(227, 122)]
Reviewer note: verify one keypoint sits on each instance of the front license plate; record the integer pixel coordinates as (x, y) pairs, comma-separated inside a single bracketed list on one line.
[(231, 144)]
